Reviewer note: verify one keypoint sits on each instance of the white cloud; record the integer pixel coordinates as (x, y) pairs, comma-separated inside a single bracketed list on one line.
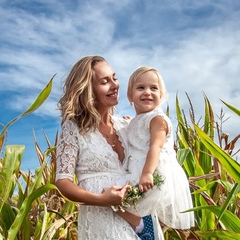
[(194, 44)]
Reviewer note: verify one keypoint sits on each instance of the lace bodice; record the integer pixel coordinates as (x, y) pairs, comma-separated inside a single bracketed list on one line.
[(86, 155), (139, 139)]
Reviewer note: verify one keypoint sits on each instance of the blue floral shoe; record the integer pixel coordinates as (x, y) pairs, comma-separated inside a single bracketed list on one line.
[(148, 231)]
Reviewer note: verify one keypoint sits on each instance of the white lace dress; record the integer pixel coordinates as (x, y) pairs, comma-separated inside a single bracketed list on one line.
[(96, 166), (174, 195)]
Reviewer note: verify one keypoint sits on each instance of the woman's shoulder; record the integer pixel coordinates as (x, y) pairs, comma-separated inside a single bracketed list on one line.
[(120, 120), (69, 125)]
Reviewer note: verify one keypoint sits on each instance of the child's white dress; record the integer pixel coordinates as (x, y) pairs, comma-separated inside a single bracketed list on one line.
[(174, 196)]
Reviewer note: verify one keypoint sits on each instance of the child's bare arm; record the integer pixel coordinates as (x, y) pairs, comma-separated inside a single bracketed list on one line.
[(158, 132)]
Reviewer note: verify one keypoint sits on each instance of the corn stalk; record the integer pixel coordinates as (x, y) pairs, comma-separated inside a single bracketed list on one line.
[(213, 175)]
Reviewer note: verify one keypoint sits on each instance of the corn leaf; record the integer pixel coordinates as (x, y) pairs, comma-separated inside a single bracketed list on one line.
[(230, 196), (35, 105), (57, 224), (204, 157), (11, 164), (220, 234), (230, 165), (7, 215), (234, 109), (26, 208), (230, 221)]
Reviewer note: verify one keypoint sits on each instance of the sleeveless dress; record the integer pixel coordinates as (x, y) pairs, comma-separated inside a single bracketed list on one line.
[(96, 166), (174, 196)]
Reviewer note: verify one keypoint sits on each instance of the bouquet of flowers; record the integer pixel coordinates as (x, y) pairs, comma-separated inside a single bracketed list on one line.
[(134, 195)]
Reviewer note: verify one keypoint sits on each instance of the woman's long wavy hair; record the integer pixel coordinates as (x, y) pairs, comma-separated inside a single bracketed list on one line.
[(78, 100)]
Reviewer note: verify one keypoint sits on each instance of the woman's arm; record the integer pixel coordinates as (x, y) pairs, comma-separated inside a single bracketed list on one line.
[(158, 132), (112, 196)]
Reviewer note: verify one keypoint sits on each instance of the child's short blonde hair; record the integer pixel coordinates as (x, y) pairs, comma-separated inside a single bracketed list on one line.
[(139, 71)]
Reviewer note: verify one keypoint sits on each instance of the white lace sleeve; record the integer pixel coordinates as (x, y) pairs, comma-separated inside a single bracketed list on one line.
[(67, 151)]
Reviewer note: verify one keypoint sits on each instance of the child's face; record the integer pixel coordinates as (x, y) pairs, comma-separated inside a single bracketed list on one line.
[(146, 92)]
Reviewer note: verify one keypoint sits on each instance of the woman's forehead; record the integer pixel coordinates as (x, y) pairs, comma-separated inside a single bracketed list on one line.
[(103, 70)]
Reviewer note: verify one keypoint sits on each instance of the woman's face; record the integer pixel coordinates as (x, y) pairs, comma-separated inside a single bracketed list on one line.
[(105, 86)]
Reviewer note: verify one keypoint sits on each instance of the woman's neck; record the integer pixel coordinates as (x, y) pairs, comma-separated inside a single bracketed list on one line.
[(105, 118)]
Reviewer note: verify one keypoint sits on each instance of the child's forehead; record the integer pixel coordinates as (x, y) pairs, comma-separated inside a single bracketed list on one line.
[(147, 76)]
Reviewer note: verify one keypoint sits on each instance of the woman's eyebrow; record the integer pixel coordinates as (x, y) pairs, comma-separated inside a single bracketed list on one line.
[(105, 77)]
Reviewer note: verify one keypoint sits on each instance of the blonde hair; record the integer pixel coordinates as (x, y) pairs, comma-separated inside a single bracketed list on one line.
[(78, 100), (141, 70)]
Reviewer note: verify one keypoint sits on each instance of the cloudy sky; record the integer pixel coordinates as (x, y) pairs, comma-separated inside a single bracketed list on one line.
[(194, 45)]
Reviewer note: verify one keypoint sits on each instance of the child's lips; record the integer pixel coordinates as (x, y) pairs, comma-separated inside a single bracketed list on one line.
[(147, 100)]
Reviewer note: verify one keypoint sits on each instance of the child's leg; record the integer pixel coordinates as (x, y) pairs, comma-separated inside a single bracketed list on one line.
[(147, 226)]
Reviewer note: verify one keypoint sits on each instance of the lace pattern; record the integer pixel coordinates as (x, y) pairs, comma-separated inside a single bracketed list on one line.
[(96, 167), (174, 195)]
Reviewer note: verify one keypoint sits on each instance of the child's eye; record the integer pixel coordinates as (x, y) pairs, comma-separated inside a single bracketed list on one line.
[(140, 87), (115, 79), (154, 88)]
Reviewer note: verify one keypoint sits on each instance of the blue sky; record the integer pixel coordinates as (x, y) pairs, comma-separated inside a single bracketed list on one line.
[(194, 45)]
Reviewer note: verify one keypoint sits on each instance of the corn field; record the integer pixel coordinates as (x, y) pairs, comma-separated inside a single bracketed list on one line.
[(37, 211)]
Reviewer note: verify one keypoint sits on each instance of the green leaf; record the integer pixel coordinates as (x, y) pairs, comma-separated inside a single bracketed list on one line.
[(206, 187), (230, 196), (7, 215), (26, 208), (56, 225), (219, 234), (11, 164), (36, 104), (230, 165), (234, 109), (182, 128), (204, 157), (230, 221)]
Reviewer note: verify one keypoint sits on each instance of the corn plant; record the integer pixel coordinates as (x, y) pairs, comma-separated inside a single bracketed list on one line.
[(213, 174), (36, 211)]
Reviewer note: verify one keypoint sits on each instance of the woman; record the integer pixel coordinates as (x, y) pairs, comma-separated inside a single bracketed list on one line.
[(90, 148)]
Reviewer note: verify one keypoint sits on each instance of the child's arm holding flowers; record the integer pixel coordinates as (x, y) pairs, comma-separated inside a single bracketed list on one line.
[(133, 195), (158, 132)]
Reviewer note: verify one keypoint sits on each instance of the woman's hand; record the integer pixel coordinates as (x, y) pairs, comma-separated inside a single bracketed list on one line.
[(114, 195)]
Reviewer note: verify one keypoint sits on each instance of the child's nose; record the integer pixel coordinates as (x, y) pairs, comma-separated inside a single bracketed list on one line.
[(147, 91)]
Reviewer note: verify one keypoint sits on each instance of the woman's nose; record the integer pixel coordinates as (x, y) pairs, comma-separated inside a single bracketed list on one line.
[(115, 84)]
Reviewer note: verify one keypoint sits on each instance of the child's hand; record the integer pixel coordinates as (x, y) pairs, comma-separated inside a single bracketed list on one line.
[(146, 182)]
